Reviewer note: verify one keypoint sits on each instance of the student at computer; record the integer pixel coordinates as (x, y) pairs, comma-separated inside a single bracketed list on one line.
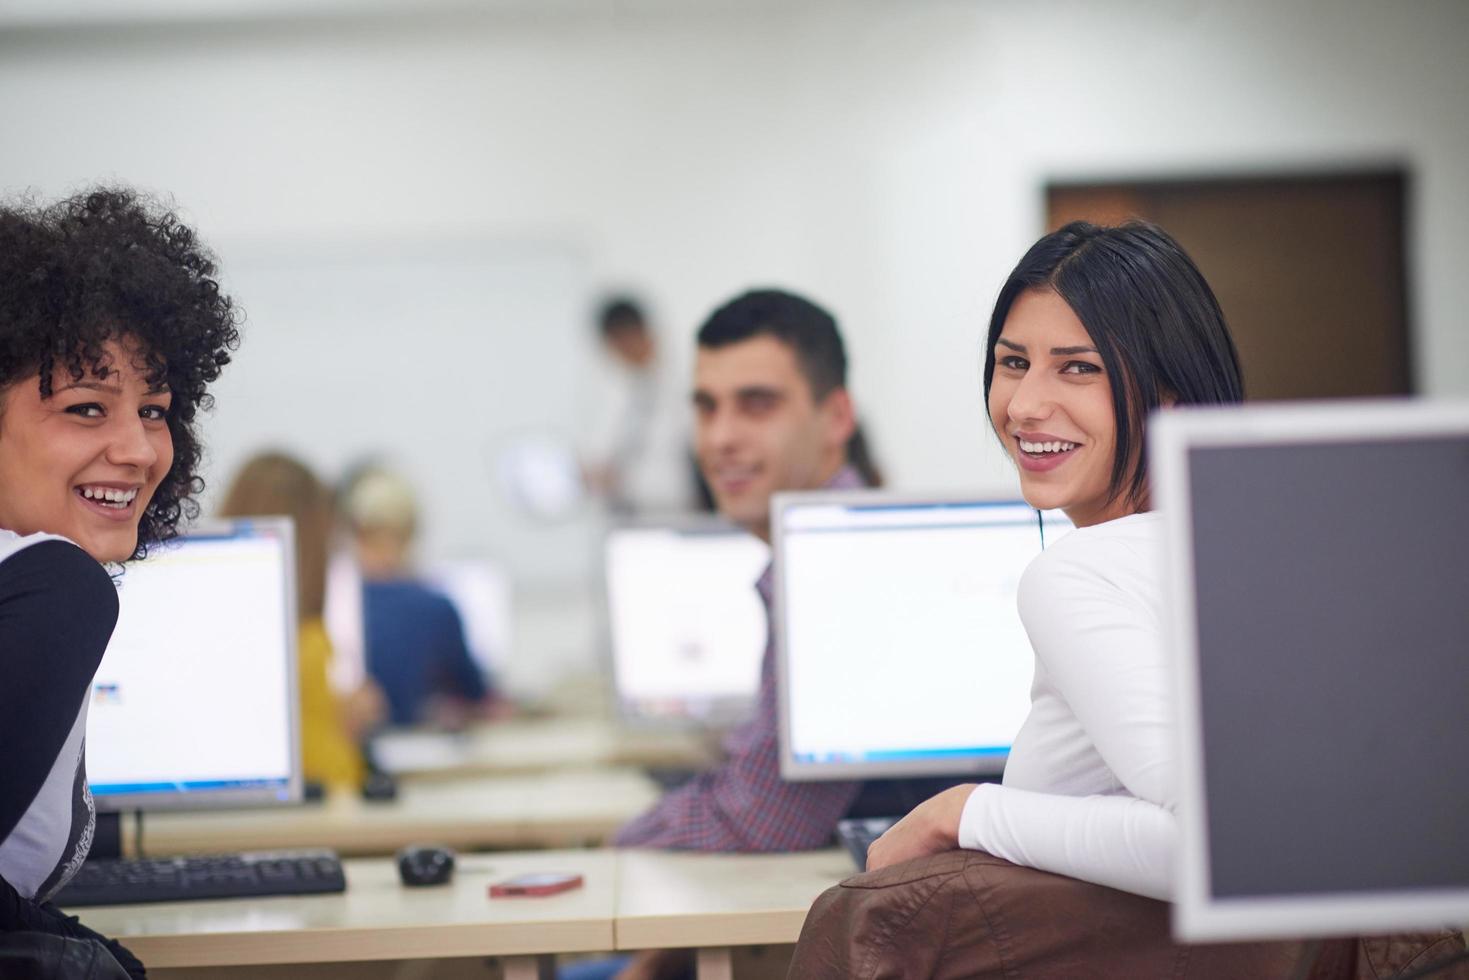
[(332, 727), (771, 413), (112, 327), (413, 638), (1094, 329)]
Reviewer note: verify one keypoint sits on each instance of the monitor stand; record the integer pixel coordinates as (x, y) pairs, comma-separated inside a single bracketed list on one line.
[(107, 837)]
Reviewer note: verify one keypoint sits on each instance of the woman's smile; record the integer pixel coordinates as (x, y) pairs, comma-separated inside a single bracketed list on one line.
[(84, 461), (112, 501), (1039, 452)]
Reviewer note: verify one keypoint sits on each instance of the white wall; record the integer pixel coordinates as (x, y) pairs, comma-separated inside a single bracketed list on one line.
[(887, 158), (434, 358)]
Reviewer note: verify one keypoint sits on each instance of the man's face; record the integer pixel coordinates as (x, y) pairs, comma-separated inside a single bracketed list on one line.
[(758, 429), (632, 345)]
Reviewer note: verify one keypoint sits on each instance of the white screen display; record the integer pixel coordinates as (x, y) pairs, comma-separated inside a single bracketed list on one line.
[(903, 645), (688, 628), (194, 694)]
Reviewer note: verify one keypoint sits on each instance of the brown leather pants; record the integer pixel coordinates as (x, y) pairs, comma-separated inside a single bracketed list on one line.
[(967, 914)]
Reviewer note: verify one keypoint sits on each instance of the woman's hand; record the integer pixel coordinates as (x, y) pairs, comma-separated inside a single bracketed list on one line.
[(932, 827)]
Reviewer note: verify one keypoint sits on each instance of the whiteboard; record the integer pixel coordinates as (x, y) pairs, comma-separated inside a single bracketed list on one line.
[(430, 356)]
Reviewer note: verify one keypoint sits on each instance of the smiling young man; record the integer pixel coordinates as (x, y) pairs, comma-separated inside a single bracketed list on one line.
[(771, 413)]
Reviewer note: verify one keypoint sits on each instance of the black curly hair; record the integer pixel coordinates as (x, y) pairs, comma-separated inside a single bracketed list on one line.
[(110, 264)]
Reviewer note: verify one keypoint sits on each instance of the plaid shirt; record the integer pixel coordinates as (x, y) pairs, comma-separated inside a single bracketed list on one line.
[(744, 805)]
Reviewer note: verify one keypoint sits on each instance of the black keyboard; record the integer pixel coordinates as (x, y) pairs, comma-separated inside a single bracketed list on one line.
[(181, 879), (857, 835)]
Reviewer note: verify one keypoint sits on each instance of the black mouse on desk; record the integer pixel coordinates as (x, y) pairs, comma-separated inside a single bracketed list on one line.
[(425, 864), (379, 787)]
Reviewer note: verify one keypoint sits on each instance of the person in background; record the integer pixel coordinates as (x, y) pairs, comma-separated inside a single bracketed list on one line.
[(634, 443), (771, 413), (413, 638), (112, 328), (332, 727)]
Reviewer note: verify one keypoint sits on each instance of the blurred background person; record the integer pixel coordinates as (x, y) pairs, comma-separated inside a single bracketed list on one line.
[(635, 442), (332, 726), (413, 639)]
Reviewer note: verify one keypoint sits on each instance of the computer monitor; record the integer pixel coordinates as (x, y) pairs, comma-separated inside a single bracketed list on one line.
[(194, 704), (901, 648), (687, 629), (1318, 592)]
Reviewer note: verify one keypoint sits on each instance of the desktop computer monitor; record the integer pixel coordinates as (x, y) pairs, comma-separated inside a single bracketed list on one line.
[(194, 704), (1318, 594), (686, 626), (901, 649)]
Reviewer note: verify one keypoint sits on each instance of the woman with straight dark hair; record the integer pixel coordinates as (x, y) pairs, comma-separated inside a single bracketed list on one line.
[(1094, 329), (1150, 315)]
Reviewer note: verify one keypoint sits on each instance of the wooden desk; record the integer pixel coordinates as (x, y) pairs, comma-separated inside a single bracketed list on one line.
[(632, 900), (377, 918), (560, 809), (716, 901), (541, 745)]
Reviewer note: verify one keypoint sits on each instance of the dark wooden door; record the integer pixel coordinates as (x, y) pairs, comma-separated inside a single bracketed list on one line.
[(1310, 271)]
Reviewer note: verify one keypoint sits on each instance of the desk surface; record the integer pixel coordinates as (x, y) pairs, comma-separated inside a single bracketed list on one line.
[(541, 745), (671, 900), (559, 809), (631, 900), (377, 918)]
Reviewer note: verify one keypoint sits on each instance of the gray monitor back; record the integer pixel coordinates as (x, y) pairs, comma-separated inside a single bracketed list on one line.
[(1322, 576)]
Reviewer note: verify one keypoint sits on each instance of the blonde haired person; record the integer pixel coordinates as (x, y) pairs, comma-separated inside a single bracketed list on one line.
[(414, 644)]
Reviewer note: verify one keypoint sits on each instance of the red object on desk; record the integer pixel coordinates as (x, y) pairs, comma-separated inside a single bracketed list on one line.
[(535, 885)]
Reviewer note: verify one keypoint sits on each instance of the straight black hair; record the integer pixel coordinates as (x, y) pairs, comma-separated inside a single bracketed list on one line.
[(809, 330), (1150, 314)]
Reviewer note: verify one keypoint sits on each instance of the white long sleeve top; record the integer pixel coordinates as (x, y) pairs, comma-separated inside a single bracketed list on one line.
[(1089, 787)]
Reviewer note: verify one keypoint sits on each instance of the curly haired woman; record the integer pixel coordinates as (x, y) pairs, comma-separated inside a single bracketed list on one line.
[(112, 327)]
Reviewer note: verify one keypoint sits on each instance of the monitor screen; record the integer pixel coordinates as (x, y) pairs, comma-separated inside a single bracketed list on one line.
[(687, 627), (902, 652), (194, 704), (1321, 560)]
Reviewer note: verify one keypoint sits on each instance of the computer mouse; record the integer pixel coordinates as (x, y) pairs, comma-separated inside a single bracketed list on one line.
[(425, 864), (379, 787)]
